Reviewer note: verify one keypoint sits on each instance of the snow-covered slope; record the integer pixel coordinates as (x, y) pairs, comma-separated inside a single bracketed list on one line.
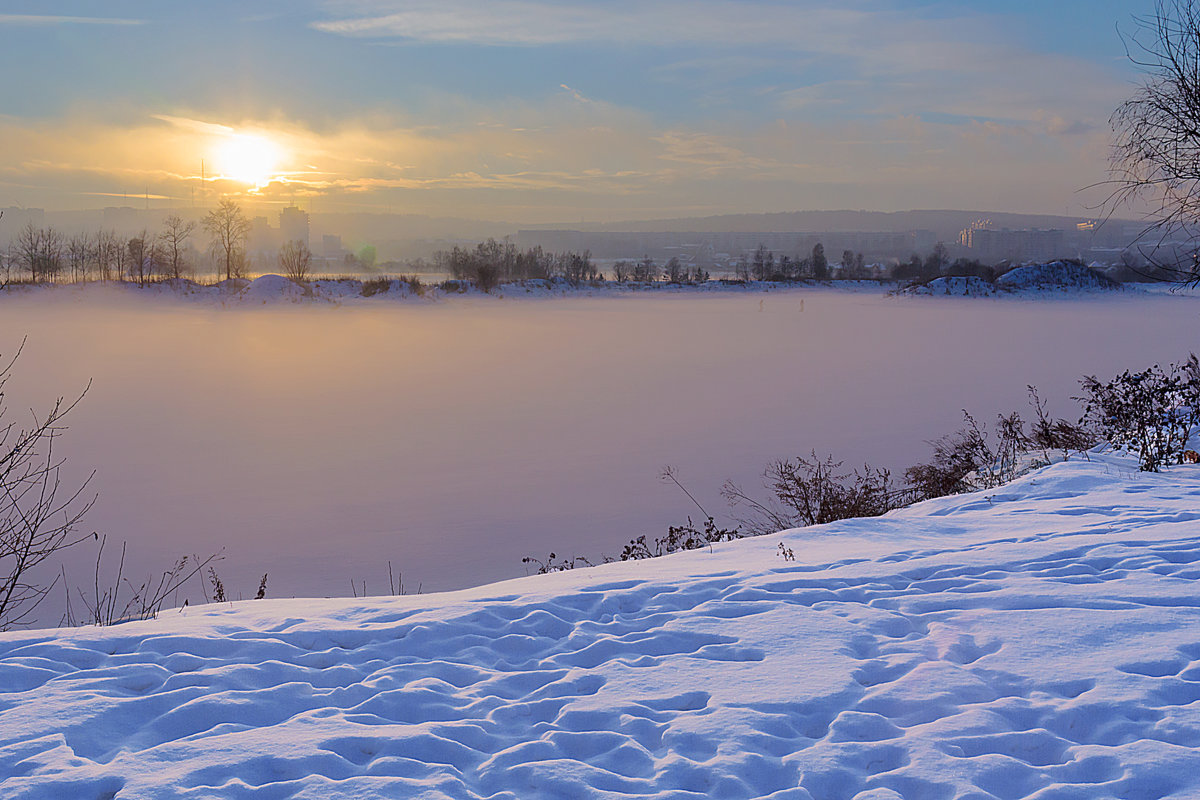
[(1039, 640)]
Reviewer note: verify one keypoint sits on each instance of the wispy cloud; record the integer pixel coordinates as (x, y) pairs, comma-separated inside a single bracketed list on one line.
[(826, 57), (199, 126), (42, 20), (531, 22)]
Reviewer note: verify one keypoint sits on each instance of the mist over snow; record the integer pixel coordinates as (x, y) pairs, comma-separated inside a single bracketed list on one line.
[(318, 442)]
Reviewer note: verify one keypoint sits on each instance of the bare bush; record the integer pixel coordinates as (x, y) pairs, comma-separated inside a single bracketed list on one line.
[(122, 600), (679, 538), (554, 563), (39, 516), (1148, 413), (955, 457), (295, 260), (376, 286), (813, 491), (1057, 434)]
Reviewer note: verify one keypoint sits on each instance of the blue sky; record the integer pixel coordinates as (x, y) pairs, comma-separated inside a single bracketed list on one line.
[(528, 110)]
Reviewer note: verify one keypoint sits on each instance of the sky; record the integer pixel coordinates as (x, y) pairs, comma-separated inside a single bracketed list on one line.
[(537, 111)]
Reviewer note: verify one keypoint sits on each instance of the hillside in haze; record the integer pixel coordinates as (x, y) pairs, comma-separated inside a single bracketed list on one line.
[(406, 236), (946, 224)]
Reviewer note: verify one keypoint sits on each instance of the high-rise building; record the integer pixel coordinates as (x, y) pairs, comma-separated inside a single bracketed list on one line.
[(293, 225), (1028, 244)]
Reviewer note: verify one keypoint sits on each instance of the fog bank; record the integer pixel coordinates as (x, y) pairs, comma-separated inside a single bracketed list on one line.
[(318, 443)]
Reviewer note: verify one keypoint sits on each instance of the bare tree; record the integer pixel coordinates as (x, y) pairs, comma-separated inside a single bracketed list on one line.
[(1156, 151), (142, 258), (6, 264), (228, 227), (295, 259), (40, 251), (79, 249), (107, 247), (38, 516), (174, 237)]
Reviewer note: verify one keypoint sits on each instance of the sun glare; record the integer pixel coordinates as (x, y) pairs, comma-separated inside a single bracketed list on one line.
[(249, 158)]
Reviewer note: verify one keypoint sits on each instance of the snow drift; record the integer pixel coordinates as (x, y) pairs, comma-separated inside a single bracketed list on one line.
[(1038, 640), (1056, 275), (1029, 280)]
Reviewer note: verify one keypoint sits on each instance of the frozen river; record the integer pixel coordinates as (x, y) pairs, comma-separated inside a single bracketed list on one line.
[(453, 438)]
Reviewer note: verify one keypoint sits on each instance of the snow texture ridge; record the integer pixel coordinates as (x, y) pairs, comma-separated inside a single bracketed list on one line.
[(1040, 640)]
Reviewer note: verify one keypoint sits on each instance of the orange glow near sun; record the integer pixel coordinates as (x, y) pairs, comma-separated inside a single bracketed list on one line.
[(249, 158)]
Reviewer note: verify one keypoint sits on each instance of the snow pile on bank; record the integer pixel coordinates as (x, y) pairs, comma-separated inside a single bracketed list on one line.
[(274, 289), (1037, 640), (958, 286), (1056, 275)]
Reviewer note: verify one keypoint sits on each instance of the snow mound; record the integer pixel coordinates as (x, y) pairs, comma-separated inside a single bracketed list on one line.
[(957, 286), (1056, 275), (274, 289), (1041, 639)]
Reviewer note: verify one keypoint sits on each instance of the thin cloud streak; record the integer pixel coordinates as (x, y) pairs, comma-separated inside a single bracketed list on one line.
[(41, 20), (889, 63), (531, 23)]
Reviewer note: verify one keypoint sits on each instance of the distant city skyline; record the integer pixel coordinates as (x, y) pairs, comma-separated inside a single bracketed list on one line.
[(527, 111)]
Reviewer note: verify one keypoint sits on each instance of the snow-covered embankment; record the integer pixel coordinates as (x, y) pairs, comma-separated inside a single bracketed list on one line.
[(1037, 640)]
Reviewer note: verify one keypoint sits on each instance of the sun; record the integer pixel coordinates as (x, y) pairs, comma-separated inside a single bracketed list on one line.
[(249, 158)]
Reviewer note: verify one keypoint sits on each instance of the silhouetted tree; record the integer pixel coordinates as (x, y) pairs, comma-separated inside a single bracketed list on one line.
[(936, 263), (674, 270), (39, 251), (820, 265), (763, 263), (1156, 154), (228, 227), (174, 237), (38, 514), (142, 258), (909, 270), (294, 260), (79, 252), (645, 271)]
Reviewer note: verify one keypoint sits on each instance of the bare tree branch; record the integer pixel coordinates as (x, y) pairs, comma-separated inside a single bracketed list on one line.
[(38, 518), (1156, 151)]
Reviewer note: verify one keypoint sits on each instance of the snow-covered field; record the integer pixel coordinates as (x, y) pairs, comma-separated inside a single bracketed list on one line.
[(1040, 640)]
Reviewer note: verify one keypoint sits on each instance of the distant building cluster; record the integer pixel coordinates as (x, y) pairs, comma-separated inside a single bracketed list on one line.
[(1090, 241), (991, 246), (263, 241)]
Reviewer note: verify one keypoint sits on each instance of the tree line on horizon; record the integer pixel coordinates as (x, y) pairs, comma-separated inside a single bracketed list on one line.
[(42, 254), (45, 255)]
